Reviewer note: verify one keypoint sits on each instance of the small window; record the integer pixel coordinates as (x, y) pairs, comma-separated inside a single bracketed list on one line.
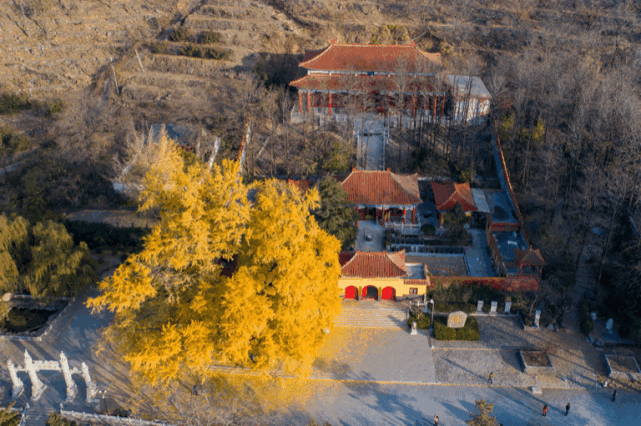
[(413, 290)]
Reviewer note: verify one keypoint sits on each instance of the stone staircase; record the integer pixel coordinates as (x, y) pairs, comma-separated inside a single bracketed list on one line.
[(37, 414), (371, 317), (585, 281)]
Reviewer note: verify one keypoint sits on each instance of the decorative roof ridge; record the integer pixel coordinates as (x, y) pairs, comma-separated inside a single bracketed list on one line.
[(327, 49), (356, 253), (391, 256), (395, 178), (299, 79)]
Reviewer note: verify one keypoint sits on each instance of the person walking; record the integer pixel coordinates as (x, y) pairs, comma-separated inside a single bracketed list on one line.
[(567, 409), (491, 379), (545, 410), (435, 420), (614, 395)]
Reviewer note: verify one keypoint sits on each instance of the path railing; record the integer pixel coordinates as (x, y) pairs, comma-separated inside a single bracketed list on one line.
[(110, 419)]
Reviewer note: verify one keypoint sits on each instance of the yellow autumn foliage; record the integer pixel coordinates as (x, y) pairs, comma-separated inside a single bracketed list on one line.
[(175, 311)]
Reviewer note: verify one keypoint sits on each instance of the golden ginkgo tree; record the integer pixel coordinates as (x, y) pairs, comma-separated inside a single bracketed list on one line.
[(175, 311)]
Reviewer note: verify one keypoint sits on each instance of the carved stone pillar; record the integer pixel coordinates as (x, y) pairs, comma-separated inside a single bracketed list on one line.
[(91, 386), (72, 389), (37, 387), (18, 385)]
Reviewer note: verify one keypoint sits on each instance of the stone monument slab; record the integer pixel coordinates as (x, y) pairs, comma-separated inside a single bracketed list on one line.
[(456, 319), (537, 317), (508, 306), (609, 324), (479, 306), (413, 332), (494, 307)]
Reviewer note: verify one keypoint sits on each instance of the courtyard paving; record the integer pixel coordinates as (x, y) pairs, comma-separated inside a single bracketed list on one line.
[(375, 376)]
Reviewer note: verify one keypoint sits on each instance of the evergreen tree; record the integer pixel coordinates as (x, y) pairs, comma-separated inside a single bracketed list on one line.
[(175, 309), (336, 214), (455, 222), (42, 259), (482, 415), (8, 417)]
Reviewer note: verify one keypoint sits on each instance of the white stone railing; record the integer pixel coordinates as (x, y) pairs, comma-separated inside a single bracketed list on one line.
[(48, 328), (110, 419)]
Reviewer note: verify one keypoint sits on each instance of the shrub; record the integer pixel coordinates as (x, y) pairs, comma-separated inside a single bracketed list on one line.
[(56, 419), (422, 320), (13, 143), (217, 54), (8, 417), (179, 34), (455, 306), (209, 37), (428, 229), (469, 332), (191, 51), (587, 327), (11, 103), (53, 107), (160, 48)]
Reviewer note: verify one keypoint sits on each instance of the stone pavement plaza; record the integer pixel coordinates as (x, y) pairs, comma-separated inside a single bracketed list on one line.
[(372, 375)]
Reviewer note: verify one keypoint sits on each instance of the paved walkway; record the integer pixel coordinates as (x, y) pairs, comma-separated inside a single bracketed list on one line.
[(478, 261), (371, 141), (375, 231), (584, 281), (380, 355)]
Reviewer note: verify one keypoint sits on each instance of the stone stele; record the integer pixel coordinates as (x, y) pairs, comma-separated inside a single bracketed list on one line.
[(456, 319)]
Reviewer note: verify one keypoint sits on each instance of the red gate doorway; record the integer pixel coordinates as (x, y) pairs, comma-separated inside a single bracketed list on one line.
[(350, 292), (370, 292), (389, 293)]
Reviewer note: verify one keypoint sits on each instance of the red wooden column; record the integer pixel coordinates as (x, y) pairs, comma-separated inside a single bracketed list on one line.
[(309, 101), (443, 107), (435, 102), (330, 104), (300, 102), (413, 215), (414, 105)]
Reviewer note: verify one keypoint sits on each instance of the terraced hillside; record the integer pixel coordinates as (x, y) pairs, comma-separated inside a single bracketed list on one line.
[(49, 48)]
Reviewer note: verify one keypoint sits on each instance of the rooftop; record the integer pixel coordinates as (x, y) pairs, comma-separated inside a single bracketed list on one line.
[(528, 257), (508, 242), (378, 188), (500, 206), (374, 265), (448, 194), (372, 57), (464, 85)]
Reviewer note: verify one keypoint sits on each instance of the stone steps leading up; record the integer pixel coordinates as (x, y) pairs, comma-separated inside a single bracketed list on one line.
[(371, 318), (37, 416)]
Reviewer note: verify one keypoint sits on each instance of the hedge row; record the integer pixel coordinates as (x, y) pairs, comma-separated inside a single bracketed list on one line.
[(468, 308), (100, 235), (469, 332), (422, 320)]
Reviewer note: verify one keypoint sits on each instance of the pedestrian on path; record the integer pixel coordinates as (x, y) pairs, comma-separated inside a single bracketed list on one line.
[(614, 395), (567, 409), (435, 420), (545, 410), (491, 379)]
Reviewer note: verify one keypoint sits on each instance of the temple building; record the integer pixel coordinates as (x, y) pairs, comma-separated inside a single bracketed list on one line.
[(383, 195), (381, 276), (344, 79)]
